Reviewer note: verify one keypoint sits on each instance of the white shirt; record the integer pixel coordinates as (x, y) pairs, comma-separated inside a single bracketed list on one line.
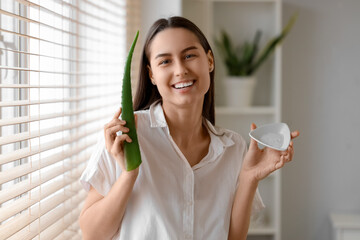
[(171, 199)]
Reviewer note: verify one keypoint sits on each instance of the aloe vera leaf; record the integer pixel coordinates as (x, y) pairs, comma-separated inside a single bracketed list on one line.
[(254, 50), (270, 47), (248, 48), (131, 150)]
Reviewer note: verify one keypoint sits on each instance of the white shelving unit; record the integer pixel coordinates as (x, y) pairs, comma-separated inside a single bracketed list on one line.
[(241, 19), (345, 226)]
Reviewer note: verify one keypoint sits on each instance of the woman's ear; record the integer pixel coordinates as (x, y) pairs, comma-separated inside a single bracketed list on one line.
[(210, 60), (151, 75)]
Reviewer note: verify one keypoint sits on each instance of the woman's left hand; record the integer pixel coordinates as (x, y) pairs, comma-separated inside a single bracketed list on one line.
[(259, 163)]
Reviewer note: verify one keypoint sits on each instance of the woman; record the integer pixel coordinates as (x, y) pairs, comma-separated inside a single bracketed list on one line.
[(197, 181)]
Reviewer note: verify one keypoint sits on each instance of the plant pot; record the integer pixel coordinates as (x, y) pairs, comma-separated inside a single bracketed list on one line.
[(239, 91)]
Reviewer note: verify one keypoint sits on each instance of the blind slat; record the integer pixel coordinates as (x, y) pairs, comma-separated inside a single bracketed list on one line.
[(71, 232), (115, 24), (51, 232), (29, 20), (33, 166), (38, 7), (37, 102), (29, 151), (93, 50), (59, 72), (107, 10), (33, 233), (43, 132), (28, 184), (58, 86), (27, 119), (44, 40), (25, 202), (24, 219), (63, 58)]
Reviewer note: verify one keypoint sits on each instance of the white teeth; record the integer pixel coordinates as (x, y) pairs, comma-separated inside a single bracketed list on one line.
[(183, 84)]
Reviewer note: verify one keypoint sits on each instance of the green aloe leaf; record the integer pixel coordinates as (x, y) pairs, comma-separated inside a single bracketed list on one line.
[(131, 150)]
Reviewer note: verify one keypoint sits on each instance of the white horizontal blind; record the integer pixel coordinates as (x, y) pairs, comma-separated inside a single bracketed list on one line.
[(60, 82)]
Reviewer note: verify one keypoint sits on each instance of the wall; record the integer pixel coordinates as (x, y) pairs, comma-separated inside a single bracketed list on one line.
[(154, 9), (321, 98)]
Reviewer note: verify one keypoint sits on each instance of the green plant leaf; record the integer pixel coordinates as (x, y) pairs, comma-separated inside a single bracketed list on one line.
[(270, 47), (242, 60), (131, 150), (255, 48)]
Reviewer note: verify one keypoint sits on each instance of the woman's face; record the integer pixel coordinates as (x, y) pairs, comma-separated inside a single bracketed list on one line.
[(180, 67)]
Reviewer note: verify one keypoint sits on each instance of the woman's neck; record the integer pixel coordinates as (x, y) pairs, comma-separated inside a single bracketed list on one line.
[(185, 124)]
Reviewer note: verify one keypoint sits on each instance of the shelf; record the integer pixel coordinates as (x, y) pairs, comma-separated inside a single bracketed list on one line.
[(240, 1), (257, 110), (349, 221), (246, 1), (262, 231)]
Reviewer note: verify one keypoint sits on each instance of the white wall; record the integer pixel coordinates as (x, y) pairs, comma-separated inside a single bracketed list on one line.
[(321, 94), (155, 9)]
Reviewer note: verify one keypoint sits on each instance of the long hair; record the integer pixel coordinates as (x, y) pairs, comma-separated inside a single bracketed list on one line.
[(147, 93)]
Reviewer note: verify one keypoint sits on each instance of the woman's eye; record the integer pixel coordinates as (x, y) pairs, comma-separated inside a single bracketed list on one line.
[(163, 62), (189, 56)]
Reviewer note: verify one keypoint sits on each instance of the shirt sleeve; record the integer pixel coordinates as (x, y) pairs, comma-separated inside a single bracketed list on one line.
[(101, 171)]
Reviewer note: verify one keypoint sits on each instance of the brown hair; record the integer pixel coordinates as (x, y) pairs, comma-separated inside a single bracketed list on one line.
[(147, 93)]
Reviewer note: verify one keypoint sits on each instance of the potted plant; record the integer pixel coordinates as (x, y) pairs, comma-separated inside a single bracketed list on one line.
[(243, 61)]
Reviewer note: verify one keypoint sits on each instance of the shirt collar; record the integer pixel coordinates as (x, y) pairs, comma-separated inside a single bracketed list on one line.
[(219, 138), (218, 135), (157, 117)]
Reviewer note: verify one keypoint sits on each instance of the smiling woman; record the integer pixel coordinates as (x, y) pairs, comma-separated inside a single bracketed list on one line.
[(179, 67), (59, 69), (196, 180)]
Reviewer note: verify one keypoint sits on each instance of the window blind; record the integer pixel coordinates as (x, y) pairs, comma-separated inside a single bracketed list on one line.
[(61, 68)]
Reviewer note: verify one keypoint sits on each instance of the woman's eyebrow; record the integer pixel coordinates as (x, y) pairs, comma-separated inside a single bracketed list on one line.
[(188, 48), (168, 54), (162, 55)]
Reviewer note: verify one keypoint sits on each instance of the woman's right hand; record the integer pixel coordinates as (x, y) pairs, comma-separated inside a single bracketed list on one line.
[(115, 144), (114, 203)]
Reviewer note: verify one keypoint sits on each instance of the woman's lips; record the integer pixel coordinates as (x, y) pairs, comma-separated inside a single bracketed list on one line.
[(184, 84)]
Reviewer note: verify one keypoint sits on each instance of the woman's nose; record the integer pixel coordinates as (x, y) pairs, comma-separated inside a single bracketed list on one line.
[(180, 68)]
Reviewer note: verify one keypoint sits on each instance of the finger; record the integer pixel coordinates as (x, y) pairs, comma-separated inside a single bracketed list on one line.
[(113, 130), (119, 143), (284, 152), (118, 113), (287, 158), (114, 122), (295, 134), (253, 143), (291, 153), (280, 163), (290, 147), (117, 147), (122, 138), (136, 120)]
